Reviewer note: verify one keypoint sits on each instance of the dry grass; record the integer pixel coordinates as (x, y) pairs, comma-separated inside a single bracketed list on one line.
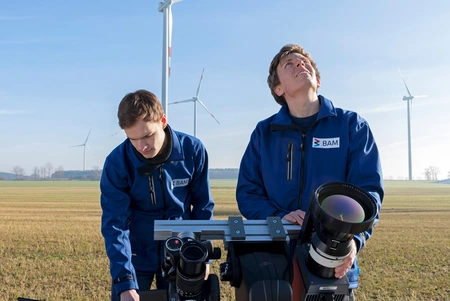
[(51, 247)]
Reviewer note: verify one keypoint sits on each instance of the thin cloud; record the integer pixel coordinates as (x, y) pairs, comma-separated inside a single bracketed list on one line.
[(21, 42), (12, 112), (402, 105), (414, 140), (12, 18), (383, 109)]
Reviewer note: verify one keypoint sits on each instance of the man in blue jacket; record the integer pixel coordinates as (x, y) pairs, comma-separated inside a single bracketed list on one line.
[(309, 142), (155, 174)]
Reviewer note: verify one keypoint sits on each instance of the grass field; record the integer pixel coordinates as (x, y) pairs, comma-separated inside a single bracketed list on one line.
[(51, 247)]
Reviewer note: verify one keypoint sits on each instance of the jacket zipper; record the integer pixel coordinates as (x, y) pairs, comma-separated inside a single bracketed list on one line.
[(289, 160), (160, 178), (151, 185), (302, 171)]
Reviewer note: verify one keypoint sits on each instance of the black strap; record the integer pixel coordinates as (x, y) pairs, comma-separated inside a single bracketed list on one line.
[(122, 279)]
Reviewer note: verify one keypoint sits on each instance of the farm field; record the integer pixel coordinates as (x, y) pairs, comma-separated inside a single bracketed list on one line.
[(51, 247)]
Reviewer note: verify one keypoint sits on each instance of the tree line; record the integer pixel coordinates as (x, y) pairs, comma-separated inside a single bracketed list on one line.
[(48, 172)]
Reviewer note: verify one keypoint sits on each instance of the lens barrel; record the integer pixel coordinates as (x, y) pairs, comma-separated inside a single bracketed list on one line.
[(331, 241), (191, 269)]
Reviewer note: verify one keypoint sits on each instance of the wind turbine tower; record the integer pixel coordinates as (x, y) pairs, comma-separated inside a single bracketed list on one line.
[(408, 100), (196, 99), (166, 8), (84, 145)]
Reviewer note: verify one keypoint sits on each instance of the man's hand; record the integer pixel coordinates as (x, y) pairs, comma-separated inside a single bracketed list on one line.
[(130, 295), (341, 271), (295, 217)]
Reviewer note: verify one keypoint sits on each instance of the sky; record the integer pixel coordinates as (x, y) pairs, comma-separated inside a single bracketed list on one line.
[(65, 66)]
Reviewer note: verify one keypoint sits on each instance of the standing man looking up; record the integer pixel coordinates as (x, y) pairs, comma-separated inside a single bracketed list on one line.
[(309, 142), (155, 174)]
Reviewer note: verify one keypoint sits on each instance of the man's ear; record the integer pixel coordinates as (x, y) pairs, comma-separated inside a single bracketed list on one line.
[(318, 82), (279, 91), (164, 121)]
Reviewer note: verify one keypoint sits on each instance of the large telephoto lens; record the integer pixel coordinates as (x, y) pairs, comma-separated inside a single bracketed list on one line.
[(338, 210), (191, 269)]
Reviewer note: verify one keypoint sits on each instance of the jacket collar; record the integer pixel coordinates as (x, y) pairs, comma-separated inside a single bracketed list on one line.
[(282, 120)]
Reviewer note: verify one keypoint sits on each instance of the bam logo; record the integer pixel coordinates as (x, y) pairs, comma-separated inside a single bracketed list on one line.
[(179, 182), (325, 142)]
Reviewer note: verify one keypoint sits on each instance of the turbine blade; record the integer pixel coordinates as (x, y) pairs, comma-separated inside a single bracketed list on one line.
[(77, 145), (88, 136), (208, 110), (92, 152), (90, 149), (409, 93), (187, 100), (199, 84)]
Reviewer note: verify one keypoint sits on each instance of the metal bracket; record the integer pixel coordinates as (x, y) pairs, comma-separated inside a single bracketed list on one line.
[(237, 231), (271, 229), (276, 228)]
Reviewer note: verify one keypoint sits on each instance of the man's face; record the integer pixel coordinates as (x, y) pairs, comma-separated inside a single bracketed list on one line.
[(147, 136), (296, 76)]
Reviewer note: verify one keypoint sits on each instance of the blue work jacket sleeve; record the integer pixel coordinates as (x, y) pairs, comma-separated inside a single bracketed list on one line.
[(201, 197), (364, 168), (251, 195), (115, 202)]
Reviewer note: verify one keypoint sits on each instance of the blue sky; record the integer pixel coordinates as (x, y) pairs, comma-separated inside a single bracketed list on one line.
[(65, 66)]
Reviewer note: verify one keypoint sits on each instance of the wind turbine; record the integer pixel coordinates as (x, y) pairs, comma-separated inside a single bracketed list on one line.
[(84, 145), (166, 8), (195, 99), (408, 100)]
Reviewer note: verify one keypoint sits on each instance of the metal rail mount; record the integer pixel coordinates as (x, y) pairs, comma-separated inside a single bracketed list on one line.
[(231, 230)]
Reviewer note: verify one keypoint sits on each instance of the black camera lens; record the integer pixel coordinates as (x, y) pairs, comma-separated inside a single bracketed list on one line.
[(338, 211), (173, 244), (191, 269), (193, 255)]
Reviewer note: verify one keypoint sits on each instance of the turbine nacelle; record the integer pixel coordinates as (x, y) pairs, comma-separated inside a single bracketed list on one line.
[(163, 5)]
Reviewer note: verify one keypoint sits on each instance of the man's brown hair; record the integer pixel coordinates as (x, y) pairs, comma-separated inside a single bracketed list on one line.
[(273, 81), (138, 105)]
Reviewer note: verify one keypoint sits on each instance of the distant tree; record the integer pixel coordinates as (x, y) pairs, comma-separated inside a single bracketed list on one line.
[(49, 168), (59, 173), (19, 172), (223, 173), (36, 173), (448, 175), (43, 171), (431, 173), (97, 173)]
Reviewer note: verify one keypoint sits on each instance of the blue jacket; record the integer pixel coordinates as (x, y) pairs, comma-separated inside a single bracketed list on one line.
[(131, 202), (283, 165)]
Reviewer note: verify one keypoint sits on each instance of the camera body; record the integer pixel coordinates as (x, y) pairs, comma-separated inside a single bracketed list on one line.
[(258, 270)]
